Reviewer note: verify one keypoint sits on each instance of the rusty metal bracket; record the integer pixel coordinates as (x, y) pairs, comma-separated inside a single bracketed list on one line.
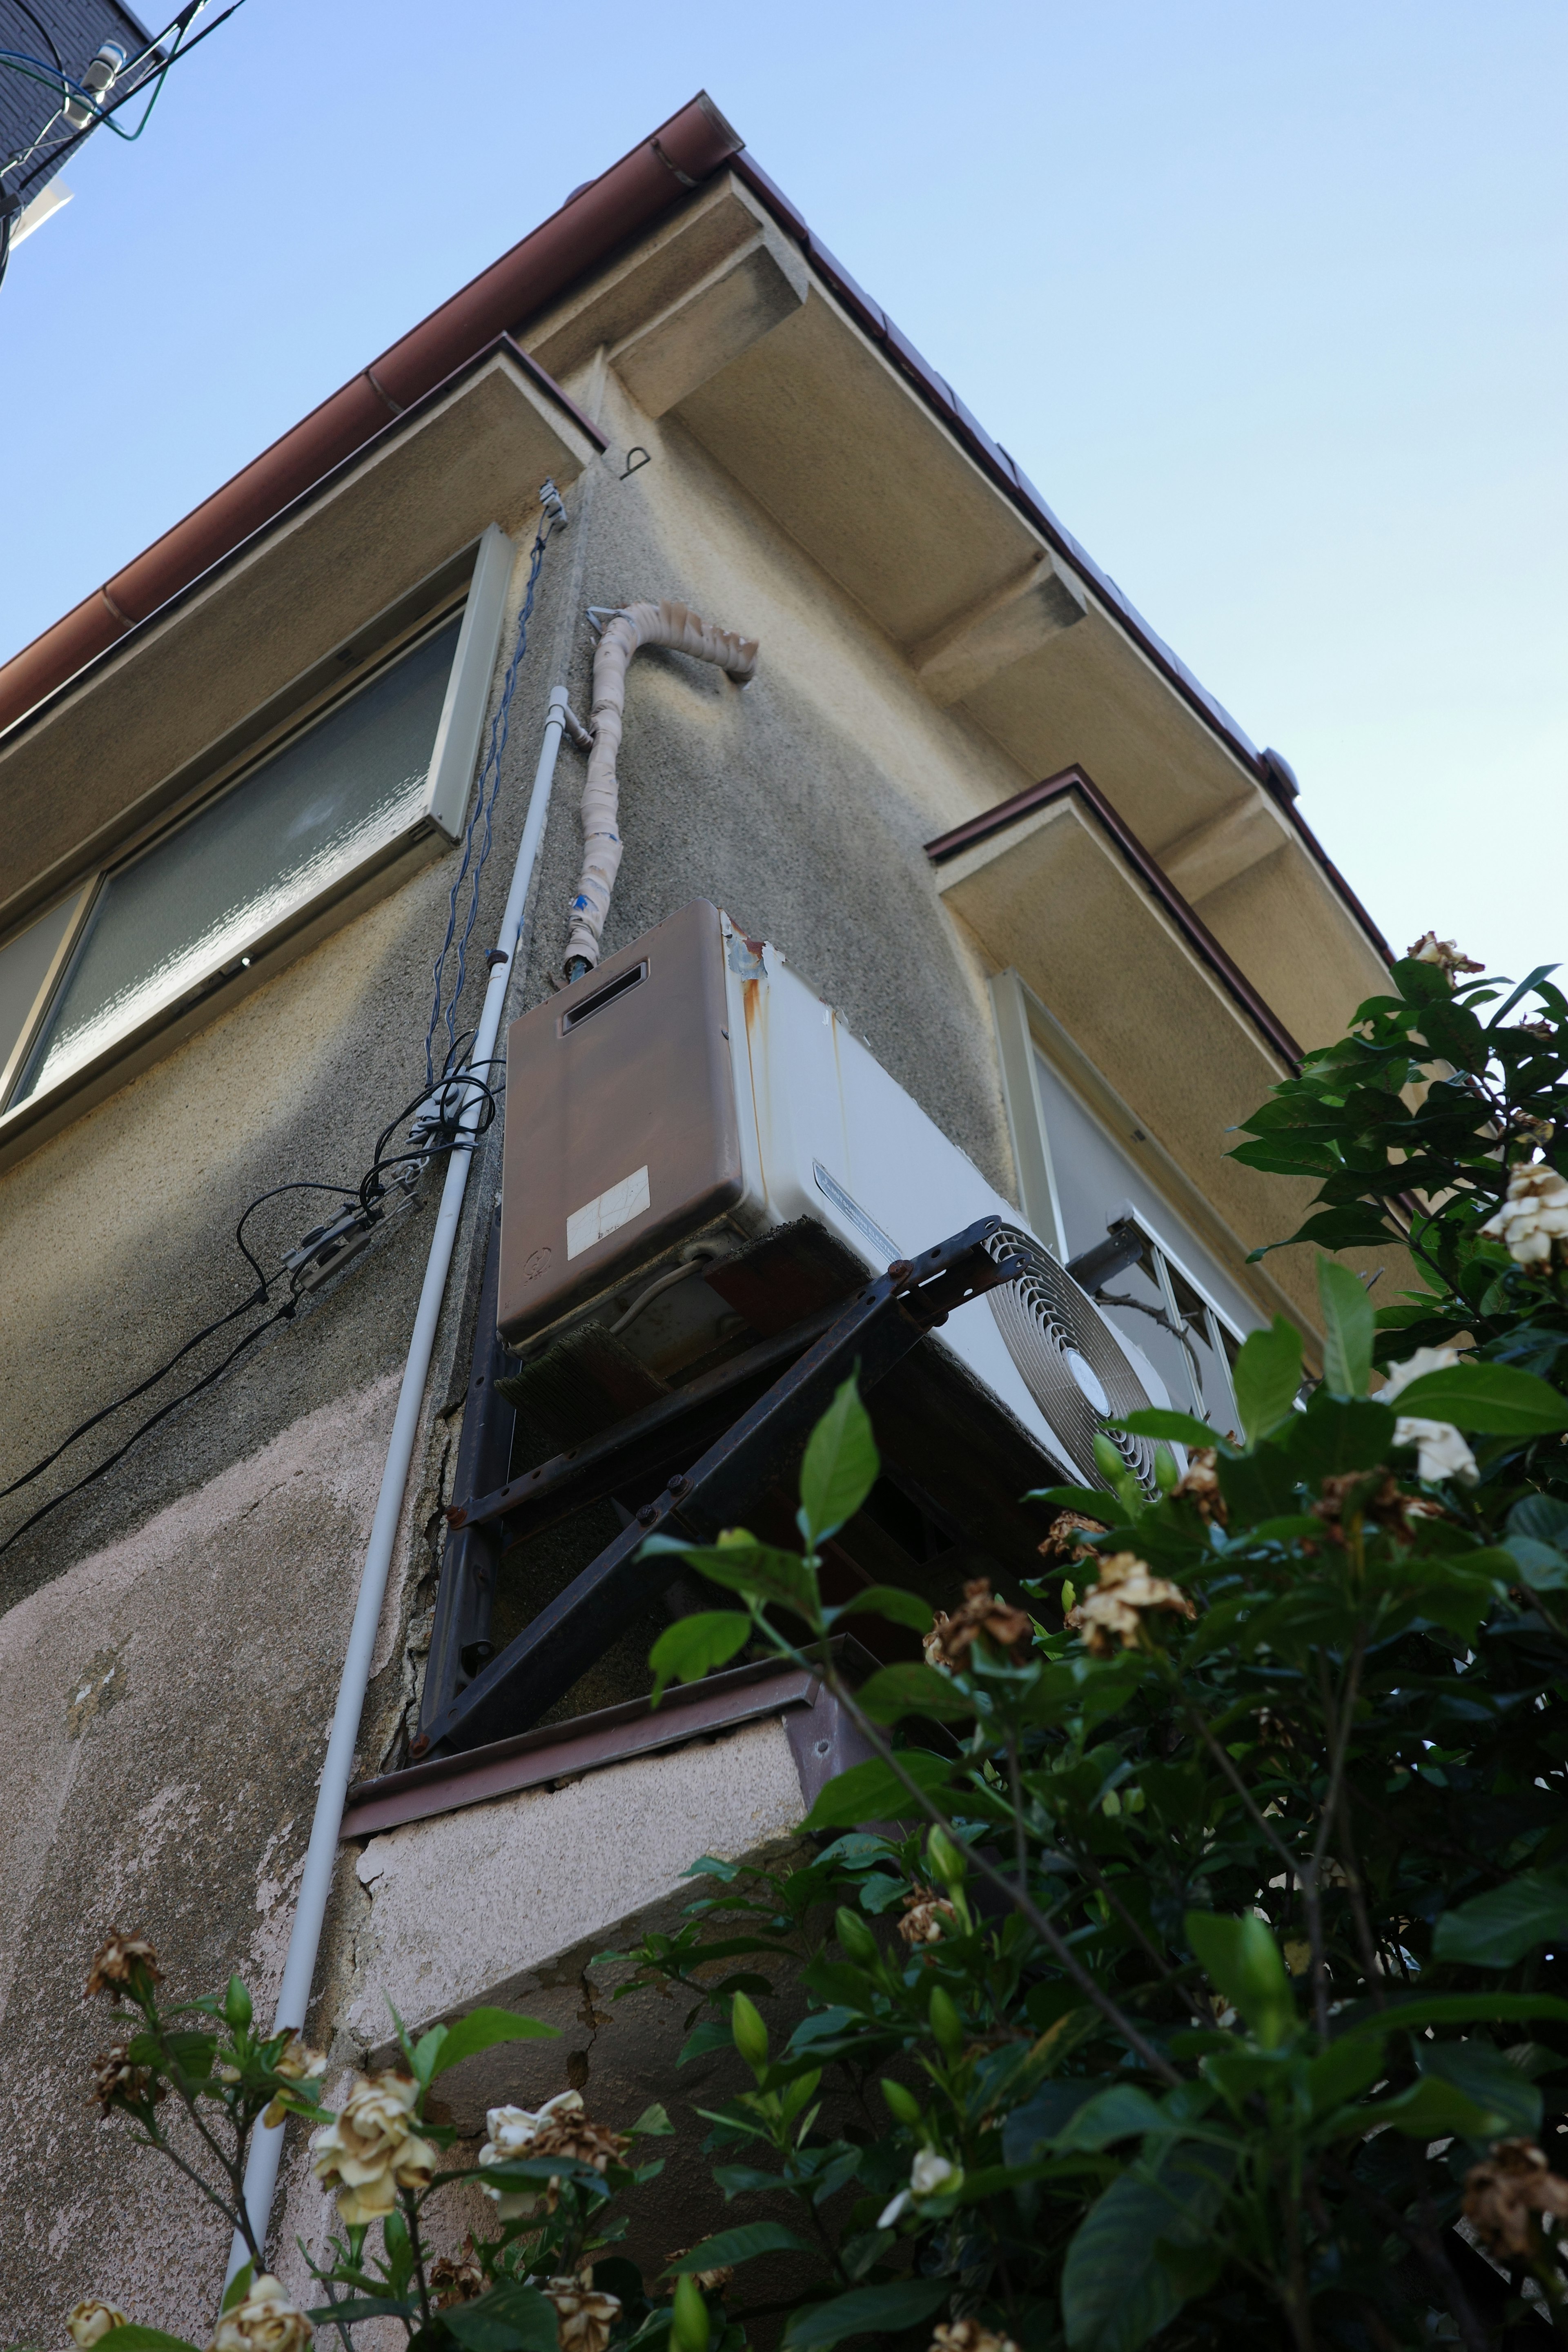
[(873, 1331)]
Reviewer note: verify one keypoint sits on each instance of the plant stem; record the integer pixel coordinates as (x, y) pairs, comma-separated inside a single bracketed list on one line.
[(1060, 1951)]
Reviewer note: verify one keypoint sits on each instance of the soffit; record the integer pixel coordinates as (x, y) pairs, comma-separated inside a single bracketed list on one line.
[(1054, 898), (111, 753)]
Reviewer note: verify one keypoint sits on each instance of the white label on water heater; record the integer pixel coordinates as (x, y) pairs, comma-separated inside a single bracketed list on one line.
[(613, 1209)]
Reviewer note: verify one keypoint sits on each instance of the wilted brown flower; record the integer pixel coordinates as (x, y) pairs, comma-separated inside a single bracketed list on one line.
[(122, 1960), (1110, 1608), (1430, 948), (579, 2141), (1501, 2195), (1536, 1028), (90, 2322), (712, 2281), (1064, 1542), (374, 2148), (297, 2062), (583, 2318), (1004, 1628), (1376, 1494), (267, 2321), (116, 2082), (456, 2279), (970, 2336), (924, 1911), (1199, 1484)]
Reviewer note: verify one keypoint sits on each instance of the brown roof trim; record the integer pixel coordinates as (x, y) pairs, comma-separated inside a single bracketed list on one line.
[(531, 1758), (1073, 782), (625, 199), (388, 430)]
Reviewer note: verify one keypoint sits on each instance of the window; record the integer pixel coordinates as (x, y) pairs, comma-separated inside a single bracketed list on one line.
[(1158, 1283), (386, 765)]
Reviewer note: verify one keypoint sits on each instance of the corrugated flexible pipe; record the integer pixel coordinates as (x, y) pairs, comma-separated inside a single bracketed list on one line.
[(684, 631), (321, 1857)]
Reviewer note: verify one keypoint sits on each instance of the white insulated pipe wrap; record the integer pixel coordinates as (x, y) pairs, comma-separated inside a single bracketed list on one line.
[(684, 632)]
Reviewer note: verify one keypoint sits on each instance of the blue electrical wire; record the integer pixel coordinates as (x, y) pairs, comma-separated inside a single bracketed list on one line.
[(473, 866)]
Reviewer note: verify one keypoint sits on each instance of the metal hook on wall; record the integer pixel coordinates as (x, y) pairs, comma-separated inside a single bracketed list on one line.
[(635, 460)]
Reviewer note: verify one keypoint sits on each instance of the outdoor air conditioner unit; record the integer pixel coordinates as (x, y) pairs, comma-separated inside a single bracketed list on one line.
[(693, 1094)]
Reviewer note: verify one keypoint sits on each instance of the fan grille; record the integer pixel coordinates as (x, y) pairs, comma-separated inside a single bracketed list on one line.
[(1047, 1322)]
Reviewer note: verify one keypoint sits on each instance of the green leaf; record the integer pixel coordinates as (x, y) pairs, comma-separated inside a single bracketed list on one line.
[(865, 2310), (892, 1602), (1267, 1375), (873, 1792), (511, 2318), (1155, 1421), (1335, 1436), (1458, 2009), (1342, 2072), (1241, 1958), (1122, 2112), (741, 1564), (358, 2306), (481, 2029), (1498, 1928), (133, 2339), (1481, 2073), (1431, 2109), (1494, 1399), (1543, 1519), (653, 2123), (903, 1690), (1348, 1329), (1116, 2292), (1045, 2115), (1540, 1566), (840, 1466), (238, 2287), (693, 1644), (739, 2245)]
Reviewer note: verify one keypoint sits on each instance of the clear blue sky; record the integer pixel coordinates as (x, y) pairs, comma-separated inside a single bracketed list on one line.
[(1268, 299)]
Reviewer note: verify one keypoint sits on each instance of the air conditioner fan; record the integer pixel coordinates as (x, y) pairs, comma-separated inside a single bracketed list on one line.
[(1067, 1357)]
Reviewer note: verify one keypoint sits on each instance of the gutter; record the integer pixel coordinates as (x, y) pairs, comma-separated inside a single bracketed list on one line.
[(601, 217)]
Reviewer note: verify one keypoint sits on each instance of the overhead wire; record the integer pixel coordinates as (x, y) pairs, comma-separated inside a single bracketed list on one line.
[(439, 1127)]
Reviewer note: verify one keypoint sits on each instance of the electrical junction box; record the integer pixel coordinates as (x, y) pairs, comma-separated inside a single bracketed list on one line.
[(693, 1094)]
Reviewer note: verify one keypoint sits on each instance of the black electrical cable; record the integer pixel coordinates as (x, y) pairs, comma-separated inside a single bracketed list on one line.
[(43, 32), (153, 81)]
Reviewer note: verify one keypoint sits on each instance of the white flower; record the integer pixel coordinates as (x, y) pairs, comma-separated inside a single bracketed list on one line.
[(90, 2322), (510, 2133), (265, 2322), (931, 2175), (1534, 1215), (374, 2148), (1442, 1452)]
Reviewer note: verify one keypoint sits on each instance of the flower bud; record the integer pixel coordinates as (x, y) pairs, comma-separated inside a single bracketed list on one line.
[(948, 1862), (237, 2008), (946, 2024), (690, 2326), (1108, 1462), (751, 2034), (855, 1937), (1167, 1478), (903, 2106)]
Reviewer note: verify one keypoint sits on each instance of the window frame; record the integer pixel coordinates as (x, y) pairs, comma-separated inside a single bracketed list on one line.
[(480, 595), (1024, 1027)]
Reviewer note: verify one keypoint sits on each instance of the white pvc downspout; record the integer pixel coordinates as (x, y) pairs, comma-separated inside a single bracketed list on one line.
[(321, 1856), (683, 631)]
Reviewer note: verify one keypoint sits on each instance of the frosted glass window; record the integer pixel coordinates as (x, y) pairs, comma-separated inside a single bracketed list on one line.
[(25, 963), (1175, 1301), (304, 820)]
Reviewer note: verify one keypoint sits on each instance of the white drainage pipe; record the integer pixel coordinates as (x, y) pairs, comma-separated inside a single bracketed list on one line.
[(321, 1857), (685, 632)]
